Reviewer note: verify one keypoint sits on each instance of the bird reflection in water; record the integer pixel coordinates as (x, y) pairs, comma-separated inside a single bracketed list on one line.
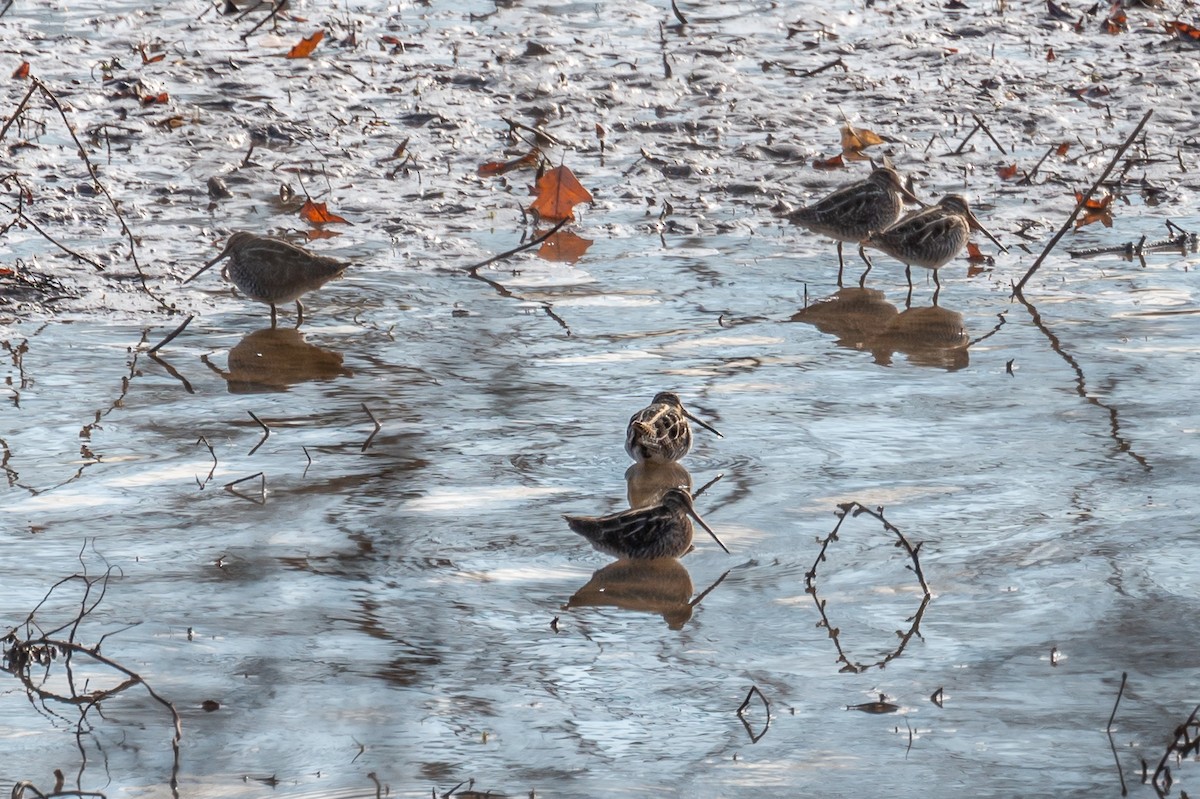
[(930, 336), (854, 315), (275, 358), (648, 482), (659, 585)]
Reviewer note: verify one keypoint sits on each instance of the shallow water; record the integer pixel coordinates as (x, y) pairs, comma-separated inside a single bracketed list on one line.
[(406, 611)]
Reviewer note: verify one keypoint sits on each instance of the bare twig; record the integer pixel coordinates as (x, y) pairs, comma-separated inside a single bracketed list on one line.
[(678, 14), (204, 441), (1120, 692), (266, 433), (742, 709), (987, 130), (172, 335), (378, 427), (262, 488), (1017, 290)]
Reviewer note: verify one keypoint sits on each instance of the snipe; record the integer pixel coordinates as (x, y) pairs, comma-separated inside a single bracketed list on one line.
[(660, 531), (659, 432), (272, 271), (856, 212)]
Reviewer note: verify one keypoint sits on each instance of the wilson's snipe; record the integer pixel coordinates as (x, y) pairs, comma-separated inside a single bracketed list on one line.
[(856, 212), (930, 237), (659, 432), (273, 271), (660, 531)]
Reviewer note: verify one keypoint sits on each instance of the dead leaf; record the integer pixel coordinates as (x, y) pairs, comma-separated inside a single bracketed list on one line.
[(564, 246), (22, 71), (1050, 56), (558, 192), (855, 140), (494, 168), (976, 256), (150, 59), (1007, 172), (836, 162), (1100, 203), (152, 99), (319, 214), (1062, 149), (306, 46), (321, 233)]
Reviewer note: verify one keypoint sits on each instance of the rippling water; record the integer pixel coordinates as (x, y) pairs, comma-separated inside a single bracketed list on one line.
[(405, 610)]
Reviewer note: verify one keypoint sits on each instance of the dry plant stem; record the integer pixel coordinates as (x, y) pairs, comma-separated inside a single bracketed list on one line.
[(1028, 179), (378, 427), (1182, 745), (963, 144), (709, 590), (172, 371), (77, 255), (266, 433), (262, 488), (1017, 290), (20, 108), (987, 130), (104, 190), (742, 709), (678, 14), (504, 291), (170, 337), (1120, 692), (269, 17)]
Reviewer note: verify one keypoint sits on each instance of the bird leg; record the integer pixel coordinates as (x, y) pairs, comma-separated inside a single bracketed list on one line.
[(862, 281), (908, 276), (841, 264), (272, 316), (299, 314)]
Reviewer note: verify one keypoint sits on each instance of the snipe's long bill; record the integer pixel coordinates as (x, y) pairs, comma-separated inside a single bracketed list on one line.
[(659, 432), (930, 238), (272, 271), (660, 531), (855, 212)]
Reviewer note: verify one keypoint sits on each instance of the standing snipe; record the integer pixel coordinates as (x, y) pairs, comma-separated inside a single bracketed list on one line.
[(856, 212), (659, 432), (930, 237), (660, 531), (273, 271)]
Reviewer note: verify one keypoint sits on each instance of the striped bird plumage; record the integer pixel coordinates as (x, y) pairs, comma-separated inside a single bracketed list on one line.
[(660, 432), (273, 271), (660, 531)]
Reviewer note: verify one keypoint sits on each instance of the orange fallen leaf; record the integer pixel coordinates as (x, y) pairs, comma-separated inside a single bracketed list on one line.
[(558, 192), (855, 140), (151, 99), (976, 256), (493, 168), (1007, 172), (1095, 203), (306, 46), (836, 162), (150, 59), (22, 71), (1103, 217), (1062, 149), (1050, 56), (321, 233), (564, 246), (1184, 31), (319, 214)]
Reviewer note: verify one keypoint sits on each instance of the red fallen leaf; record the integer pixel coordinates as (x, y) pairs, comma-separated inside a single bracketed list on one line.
[(976, 256), (558, 192), (319, 214), (151, 99), (1095, 204), (493, 168), (306, 46), (564, 246), (150, 59), (4, 270), (1062, 149), (1089, 217), (1007, 172), (22, 71), (1184, 31), (1050, 56), (321, 233), (389, 39), (836, 162)]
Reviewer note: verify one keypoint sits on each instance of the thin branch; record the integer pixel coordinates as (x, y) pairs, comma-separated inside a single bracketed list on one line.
[(169, 338), (371, 437), (266, 433), (1081, 203)]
